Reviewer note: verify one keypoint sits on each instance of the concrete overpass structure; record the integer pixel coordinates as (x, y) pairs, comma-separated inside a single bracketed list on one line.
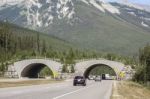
[(31, 67), (84, 67)]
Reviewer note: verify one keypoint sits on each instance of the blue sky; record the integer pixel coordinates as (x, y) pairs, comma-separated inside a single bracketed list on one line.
[(147, 2)]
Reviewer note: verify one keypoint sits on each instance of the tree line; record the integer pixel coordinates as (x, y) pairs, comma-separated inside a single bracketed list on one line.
[(142, 74), (14, 46)]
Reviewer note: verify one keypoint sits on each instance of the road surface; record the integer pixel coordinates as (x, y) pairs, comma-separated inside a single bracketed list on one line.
[(64, 90)]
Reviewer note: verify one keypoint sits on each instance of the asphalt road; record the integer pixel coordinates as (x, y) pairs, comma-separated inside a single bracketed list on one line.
[(65, 90)]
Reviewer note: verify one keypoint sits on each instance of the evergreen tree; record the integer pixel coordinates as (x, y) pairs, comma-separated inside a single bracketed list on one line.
[(64, 69), (38, 43), (44, 48), (143, 71), (72, 69)]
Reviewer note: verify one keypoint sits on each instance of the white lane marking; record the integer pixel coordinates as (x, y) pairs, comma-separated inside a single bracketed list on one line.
[(71, 92)]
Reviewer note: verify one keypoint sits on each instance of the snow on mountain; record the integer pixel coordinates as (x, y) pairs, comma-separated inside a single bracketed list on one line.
[(97, 5), (39, 13), (132, 13), (85, 1), (9, 2), (110, 8), (43, 13), (102, 6), (144, 24)]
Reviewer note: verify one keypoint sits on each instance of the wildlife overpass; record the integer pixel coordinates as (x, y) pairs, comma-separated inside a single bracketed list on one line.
[(31, 67)]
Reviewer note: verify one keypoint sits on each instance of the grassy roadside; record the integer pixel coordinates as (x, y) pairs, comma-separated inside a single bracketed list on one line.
[(26, 83), (129, 90)]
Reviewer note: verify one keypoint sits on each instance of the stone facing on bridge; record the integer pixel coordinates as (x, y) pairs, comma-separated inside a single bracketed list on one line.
[(21, 65), (11, 72), (80, 67)]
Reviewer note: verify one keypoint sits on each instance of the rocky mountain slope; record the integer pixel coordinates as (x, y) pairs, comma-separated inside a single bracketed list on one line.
[(91, 24)]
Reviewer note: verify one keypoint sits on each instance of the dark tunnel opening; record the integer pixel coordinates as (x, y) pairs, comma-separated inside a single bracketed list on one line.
[(33, 70), (99, 69)]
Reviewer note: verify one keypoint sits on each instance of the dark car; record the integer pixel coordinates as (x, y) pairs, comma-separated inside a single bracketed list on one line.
[(79, 80), (103, 76)]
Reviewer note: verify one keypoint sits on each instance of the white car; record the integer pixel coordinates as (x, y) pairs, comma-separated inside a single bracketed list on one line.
[(98, 78)]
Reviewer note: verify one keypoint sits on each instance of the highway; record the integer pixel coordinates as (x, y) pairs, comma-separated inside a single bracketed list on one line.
[(64, 90)]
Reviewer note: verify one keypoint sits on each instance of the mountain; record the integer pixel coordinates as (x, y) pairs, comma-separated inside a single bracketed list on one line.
[(90, 24), (42, 13)]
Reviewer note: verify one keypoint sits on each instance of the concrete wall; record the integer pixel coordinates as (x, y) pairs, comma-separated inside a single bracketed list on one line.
[(21, 65), (82, 66)]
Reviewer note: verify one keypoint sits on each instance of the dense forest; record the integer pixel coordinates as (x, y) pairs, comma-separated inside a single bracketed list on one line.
[(142, 74)]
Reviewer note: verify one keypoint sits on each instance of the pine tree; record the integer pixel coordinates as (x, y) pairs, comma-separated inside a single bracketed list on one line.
[(44, 48), (38, 43), (64, 69), (72, 69)]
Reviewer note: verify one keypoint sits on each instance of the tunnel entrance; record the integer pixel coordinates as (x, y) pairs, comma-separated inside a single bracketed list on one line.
[(99, 70), (36, 70)]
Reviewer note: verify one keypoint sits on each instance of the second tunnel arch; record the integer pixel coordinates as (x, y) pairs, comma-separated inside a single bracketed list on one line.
[(83, 66), (89, 69)]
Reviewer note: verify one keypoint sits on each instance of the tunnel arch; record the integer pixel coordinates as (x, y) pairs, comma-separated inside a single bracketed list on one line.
[(30, 67), (90, 68), (84, 65), (32, 70)]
